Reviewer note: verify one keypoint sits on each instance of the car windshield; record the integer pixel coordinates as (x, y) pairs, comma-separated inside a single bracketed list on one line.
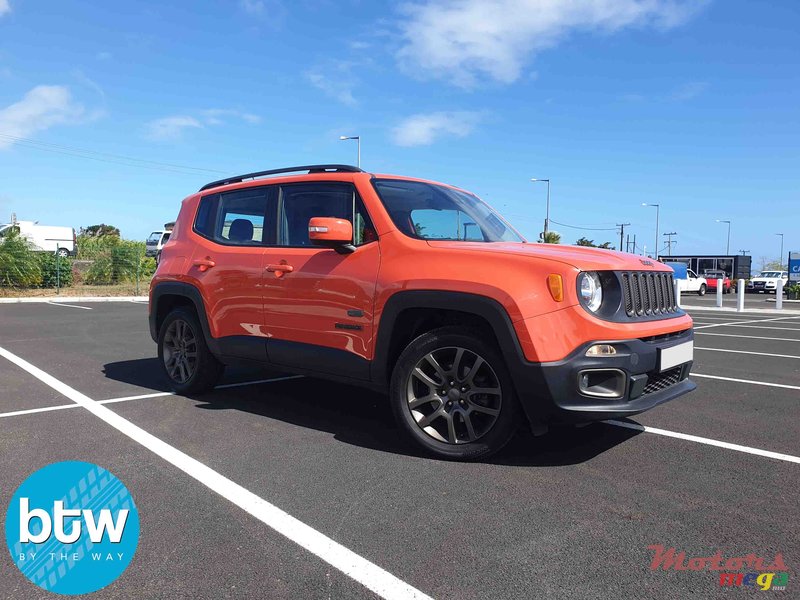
[(154, 237), (436, 212), (771, 274)]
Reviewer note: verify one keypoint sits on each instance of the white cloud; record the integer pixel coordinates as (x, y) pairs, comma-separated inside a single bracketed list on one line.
[(465, 41), (423, 129), (5, 7), (41, 108), (171, 128), (335, 81)]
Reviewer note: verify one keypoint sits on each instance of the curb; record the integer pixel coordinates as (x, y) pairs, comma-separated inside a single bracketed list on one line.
[(49, 300)]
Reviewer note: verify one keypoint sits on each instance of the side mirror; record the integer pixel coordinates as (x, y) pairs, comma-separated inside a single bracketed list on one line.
[(330, 232)]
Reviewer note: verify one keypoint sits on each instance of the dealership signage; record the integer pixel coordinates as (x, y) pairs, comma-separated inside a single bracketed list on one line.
[(794, 266)]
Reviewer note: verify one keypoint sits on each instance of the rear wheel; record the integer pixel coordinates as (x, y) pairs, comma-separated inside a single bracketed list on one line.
[(452, 394), (702, 290), (62, 253), (184, 355)]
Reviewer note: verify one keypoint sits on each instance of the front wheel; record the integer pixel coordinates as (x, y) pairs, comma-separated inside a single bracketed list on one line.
[(452, 394), (702, 290), (184, 355), (62, 253)]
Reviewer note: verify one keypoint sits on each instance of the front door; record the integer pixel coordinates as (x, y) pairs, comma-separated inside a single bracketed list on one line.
[(318, 304)]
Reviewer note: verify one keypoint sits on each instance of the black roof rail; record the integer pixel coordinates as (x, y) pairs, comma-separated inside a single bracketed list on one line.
[(309, 168)]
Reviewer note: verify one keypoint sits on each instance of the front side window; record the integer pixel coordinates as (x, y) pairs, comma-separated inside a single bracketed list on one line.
[(299, 203), (435, 212)]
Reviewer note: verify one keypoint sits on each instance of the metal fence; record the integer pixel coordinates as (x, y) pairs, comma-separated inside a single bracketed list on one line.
[(100, 267)]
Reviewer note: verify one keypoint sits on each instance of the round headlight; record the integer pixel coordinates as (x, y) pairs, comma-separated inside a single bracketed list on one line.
[(591, 290)]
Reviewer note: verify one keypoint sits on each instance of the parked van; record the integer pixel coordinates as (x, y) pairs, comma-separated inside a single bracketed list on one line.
[(155, 242), (46, 238)]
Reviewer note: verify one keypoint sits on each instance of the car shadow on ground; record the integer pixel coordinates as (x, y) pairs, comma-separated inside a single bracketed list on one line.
[(361, 417)]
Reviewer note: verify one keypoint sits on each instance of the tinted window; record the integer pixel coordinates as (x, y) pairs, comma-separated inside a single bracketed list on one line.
[(435, 212), (300, 203), (235, 218)]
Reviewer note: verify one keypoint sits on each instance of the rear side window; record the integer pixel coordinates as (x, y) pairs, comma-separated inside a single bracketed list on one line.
[(239, 218), (299, 203)]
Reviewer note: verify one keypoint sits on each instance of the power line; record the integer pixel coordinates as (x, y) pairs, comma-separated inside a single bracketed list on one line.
[(102, 156), (584, 228)]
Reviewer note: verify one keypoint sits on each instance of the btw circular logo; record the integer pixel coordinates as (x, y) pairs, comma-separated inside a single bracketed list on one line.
[(72, 528)]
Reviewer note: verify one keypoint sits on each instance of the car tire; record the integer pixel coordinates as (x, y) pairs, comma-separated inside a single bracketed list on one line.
[(434, 401), (184, 356), (62, 253), (702, 290)]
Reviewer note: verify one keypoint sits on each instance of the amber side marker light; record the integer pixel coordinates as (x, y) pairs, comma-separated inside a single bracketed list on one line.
[(556, 285)]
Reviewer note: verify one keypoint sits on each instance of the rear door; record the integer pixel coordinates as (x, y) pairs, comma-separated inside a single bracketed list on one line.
[(319, 314), (227, 265)]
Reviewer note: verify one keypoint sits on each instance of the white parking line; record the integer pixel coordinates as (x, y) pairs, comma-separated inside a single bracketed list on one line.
[(750, 381), (68, 305), (707, 441), (348, 562), (746, 322), (32, 411), (794, 329), (746, 337), (748, 352)]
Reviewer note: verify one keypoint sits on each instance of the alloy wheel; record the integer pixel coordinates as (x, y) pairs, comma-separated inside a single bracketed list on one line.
[(180, 351), (454, 395)]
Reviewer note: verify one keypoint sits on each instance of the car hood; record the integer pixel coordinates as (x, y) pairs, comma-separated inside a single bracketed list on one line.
[(765, 278), (580, 257)]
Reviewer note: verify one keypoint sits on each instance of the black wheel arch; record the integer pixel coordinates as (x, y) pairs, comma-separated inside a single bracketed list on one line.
[(167, 295), (396, 328)]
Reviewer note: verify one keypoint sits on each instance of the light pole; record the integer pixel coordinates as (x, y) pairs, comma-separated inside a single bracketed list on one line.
[(357, 138), (780, 234), (547, 213), (728, 247), (658, 210)]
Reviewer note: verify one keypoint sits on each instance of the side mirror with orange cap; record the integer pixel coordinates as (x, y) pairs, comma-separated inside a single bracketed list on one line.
[(331, 232)]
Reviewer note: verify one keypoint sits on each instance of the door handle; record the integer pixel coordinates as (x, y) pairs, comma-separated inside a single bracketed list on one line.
[(204, 264), (279, 270)]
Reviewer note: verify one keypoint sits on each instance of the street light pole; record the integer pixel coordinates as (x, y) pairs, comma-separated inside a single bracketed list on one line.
[(547, 213), (728, 247), (357, 138), (658, 210), (780, 234)]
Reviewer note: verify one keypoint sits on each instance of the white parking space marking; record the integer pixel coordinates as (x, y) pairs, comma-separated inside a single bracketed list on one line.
[(68, 305), (707, 441), (348, 562), (795, 329), (750, 381), (32, 411), (746, 337), (745, 322), (748, 352)]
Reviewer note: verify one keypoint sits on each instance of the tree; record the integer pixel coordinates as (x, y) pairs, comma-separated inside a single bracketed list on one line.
[(771, 265), (606, 246), (586, 242), (552, 237), (99, 231)]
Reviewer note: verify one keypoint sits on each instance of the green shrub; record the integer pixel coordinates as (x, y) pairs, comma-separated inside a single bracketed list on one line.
[(56, 271), (19, 265)]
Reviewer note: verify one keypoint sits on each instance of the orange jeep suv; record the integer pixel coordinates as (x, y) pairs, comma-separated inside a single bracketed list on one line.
[(419, 290)]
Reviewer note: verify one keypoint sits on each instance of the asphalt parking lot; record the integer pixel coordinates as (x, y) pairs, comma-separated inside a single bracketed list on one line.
[(570, 514)]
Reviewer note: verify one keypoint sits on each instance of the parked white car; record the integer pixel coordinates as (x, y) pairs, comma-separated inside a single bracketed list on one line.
[(767, 282), (46, 238), (155, 242)]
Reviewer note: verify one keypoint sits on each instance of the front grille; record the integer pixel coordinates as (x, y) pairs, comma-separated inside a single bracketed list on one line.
[(662, 381), (647, 294)]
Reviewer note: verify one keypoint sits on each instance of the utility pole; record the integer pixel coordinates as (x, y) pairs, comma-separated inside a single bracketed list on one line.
[(744, 252), (670, 242), (622, 227), (634, 243), (628, 243)]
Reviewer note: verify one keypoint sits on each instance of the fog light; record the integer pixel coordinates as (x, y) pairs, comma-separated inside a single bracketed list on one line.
[(601, 350)]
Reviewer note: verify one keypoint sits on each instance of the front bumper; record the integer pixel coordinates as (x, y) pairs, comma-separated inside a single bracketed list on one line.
[(550, 391)]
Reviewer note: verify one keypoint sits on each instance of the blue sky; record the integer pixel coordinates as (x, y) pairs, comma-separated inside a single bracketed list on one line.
[(692, 105)]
